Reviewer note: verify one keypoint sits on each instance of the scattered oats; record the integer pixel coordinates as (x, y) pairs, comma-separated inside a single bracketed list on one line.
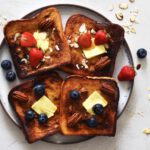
[(136, 22), (146, 131), (127, 29), (47, 57), (76, 38), (123, 6), (50, 49), (119, 16), (132, 18), (128, 24), (24, 60), (77, 66), (75, 45), (84, 63), (132, 1), (82, 28), (69, 41), (57, 47), (93, 31), (148, 96), (132, 30), (71, 45), (136, 10), (16, 36), (3, 20), (111, 8)]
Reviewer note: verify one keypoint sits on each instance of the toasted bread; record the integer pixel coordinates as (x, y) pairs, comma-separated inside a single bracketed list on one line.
[(22, 97), (101, 65), (57, 53), (73, 115)]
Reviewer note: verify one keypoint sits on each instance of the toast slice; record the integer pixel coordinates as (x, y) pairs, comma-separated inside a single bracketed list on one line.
[(46, 29), (101, 65), (73, 114), (22, 97)]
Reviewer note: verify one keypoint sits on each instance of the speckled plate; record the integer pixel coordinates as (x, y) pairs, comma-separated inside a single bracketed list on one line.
[(123, 58)]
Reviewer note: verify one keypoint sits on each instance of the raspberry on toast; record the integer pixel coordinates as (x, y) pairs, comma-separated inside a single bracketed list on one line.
[(74, 117), (100, 65), (37, 44), (23, 96)]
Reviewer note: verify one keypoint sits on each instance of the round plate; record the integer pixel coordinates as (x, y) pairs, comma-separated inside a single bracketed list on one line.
[(123, 58)]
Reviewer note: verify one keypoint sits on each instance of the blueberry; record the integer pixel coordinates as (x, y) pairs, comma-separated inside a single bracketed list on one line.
[(39, 90), (6, 64), (10, 76), (43, 118), (98, 109), (92, 122), (141, 53), (74, 95), (29, 115)]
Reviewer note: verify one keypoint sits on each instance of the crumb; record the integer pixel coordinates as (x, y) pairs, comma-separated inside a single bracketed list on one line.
[(146, 131), (148, 96), (111, 8)]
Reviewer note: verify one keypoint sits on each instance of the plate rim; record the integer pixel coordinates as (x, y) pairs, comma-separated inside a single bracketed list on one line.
[(99, 14)]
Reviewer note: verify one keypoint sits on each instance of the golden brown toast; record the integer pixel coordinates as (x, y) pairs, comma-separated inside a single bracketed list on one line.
[(102, 65), (58, 53), (73, 115), (22, 97)]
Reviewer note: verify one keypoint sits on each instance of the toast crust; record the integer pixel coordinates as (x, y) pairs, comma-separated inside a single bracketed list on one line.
[(72, 31), (34, 130), (108, 119), (57, 57)]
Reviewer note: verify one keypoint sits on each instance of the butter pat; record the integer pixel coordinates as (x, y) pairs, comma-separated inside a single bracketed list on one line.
[(44, 105), (94, 50), (42, 40), (93, 99)]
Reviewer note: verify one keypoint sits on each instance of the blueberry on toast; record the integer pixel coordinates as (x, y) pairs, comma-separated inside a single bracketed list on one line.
[(94, 46), (89, 106), (37, 44), (36, 104)]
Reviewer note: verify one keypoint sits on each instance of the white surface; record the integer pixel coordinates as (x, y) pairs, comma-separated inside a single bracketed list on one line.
[(136, 116)]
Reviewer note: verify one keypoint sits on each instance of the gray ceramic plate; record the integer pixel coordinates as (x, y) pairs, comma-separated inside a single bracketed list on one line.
[(123, 58)]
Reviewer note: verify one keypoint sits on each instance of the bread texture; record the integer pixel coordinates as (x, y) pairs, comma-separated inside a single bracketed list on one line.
[(102, 65), (58, 53), (22, 97), (73, 115)]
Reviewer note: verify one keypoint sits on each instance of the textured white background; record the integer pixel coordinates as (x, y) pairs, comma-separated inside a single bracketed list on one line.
[(135, 118)]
